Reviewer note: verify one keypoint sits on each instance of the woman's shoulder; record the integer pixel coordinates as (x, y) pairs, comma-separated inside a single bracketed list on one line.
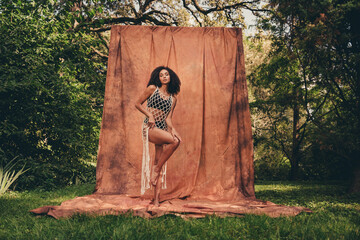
[(151, 88)]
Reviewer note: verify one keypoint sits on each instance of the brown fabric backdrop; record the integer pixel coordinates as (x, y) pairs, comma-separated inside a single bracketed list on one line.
[(215, 159), (212, 170)]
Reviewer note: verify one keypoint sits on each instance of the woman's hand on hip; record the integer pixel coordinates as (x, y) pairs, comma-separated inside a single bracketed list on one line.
[(151, 122)]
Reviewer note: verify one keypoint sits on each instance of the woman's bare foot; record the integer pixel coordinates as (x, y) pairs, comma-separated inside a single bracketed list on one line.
[(154, 175), (156, 203)]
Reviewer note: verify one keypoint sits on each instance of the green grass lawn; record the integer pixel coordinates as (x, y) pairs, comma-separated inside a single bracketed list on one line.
[(336, 216)]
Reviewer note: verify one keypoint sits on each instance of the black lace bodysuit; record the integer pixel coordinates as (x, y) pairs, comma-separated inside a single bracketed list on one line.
[(159, 106)]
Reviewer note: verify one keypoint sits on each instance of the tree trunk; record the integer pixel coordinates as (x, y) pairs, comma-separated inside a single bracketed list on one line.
[(294, 171), (295, 153), (355, 180)]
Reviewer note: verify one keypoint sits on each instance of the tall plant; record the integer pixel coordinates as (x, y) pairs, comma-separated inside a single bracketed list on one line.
[(8, 177)]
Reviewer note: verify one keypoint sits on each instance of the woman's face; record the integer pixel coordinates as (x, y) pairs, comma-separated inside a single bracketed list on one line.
[(164, 76)]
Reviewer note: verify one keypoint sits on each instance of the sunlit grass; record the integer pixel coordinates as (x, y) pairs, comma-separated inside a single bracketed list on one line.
[(336, 216)]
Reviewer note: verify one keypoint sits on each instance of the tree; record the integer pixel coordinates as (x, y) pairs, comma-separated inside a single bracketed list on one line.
[(50, 101), (279, 91), (324, 38)]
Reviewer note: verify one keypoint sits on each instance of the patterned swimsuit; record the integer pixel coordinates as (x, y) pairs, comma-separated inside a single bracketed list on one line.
[(159, 106)]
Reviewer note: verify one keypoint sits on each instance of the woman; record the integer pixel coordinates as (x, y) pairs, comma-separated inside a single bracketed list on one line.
[(160, 93)]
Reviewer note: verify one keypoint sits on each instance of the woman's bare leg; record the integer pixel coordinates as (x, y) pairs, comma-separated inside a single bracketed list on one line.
[(168, 146), (161, 137), (158, 152), (168, 150), (157, 193)]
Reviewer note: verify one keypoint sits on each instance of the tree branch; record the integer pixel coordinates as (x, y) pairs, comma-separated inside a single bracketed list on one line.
[(99, 53), (114, 20), (146, 5), (229, 18), (232, 6), (282, 144), (103, 40), (98, 30), (192, 13)]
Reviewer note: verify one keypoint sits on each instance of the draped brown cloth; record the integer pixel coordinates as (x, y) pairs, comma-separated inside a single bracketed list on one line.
[(212, 170)]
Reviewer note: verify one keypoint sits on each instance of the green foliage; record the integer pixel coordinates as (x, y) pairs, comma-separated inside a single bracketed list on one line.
[(278, 106), (51, 86), (271, 168), (315, 50)]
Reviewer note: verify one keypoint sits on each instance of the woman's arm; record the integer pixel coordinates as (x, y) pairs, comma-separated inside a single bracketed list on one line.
[(169, 120), (138, 104)]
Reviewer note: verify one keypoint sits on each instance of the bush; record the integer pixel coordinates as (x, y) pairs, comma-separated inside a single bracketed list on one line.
[(51, 93)]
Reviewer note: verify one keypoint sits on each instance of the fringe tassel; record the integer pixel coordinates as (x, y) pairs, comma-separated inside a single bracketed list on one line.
[(145, 170)]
